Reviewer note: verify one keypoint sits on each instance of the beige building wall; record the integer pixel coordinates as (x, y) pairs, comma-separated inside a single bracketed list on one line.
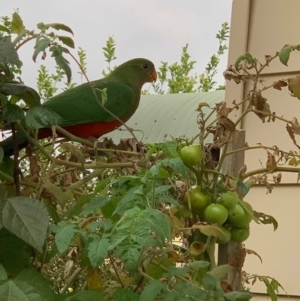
[(263, 27)]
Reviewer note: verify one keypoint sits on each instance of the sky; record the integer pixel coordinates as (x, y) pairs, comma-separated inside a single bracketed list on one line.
[(154, 29)]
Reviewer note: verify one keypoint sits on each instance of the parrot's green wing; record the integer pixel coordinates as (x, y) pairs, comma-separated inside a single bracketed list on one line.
[(79, 105)]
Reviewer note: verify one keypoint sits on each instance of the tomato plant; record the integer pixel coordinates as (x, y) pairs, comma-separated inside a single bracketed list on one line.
[(216, 214), (191, 155), (240, 217)]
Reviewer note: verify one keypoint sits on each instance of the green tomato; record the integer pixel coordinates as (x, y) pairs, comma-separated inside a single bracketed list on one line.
[(215, 213), (226, 239), (199, 200), (240, 217), (191, 155), (229, 200), (240, 234)]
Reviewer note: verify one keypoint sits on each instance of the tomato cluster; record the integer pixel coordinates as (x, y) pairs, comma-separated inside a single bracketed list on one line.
[(232, 215)]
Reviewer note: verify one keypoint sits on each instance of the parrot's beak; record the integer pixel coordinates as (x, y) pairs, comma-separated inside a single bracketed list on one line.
[(153, 76)]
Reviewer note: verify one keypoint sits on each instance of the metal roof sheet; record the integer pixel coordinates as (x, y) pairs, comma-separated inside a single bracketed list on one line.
[(161, 116)]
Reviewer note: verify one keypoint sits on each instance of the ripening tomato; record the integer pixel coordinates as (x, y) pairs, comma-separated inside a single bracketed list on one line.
[(199, 200), (240, 234), (240, 217), (215, 213), (226, 238), (191, 155), (229, 199)]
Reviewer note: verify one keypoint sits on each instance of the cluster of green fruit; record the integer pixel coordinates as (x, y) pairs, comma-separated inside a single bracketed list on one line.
[(231, 214)]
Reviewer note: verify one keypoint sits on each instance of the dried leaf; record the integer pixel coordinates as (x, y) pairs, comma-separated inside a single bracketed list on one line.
[(279, 84), (231, 74), (271, 164), (260, 103), (294, 86), (251, 252), (277, 178), (291, 133), (94, 279), (76, 151), (68, 268)]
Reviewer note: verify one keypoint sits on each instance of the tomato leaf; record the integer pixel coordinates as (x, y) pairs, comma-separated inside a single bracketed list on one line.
[(17, 25), (245, 57), (63, 63), (67, 41), (266, 219), (60, 26), (40, 46)]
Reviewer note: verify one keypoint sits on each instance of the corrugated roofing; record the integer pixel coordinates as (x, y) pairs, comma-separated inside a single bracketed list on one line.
[(161, 116)]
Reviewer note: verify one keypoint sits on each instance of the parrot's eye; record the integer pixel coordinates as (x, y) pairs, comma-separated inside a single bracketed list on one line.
[(145, 66)]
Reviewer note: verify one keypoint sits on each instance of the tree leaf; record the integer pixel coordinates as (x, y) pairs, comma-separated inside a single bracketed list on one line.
[(28, 219), (220, 271), (40, 117), (38, 282), (245, 57), (60, 26), (209, 282), (17, 25), (57, 52), (5, 29), (40, 46), (8, 53), (284, 54), (29, 95), (67, 41), (12, 113), (150, 292), (64, 235), (98, 251), (122, 294), (3, 275), (18, 290)]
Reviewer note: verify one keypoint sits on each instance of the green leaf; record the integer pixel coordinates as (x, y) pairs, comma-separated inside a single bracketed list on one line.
[(220, 271), (198, 264), (98, 251), (5, 29), (12, 113), (57, 52), (170, 148), (40, 117), (40, 46), (18, 290), (28, 219), (3, 275), (122, 294), (60, 26), (15, 254), (154, 288), (8, 53), (95, 204), (245, 57), (38, 282), (17, 25), (209, 282), (233, 296), (211, 230), (176, 164), (284, 54), (20, 91), (67, 41), (52, 211), (65, 233)]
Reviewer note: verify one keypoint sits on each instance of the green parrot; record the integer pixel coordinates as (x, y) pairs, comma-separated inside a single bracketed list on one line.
[(81, 113)]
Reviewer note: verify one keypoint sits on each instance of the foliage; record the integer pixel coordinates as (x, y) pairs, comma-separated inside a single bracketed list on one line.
[(115, 222), (178, 77)]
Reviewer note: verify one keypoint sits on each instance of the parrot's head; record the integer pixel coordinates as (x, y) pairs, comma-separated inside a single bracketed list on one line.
[(136, 72)]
